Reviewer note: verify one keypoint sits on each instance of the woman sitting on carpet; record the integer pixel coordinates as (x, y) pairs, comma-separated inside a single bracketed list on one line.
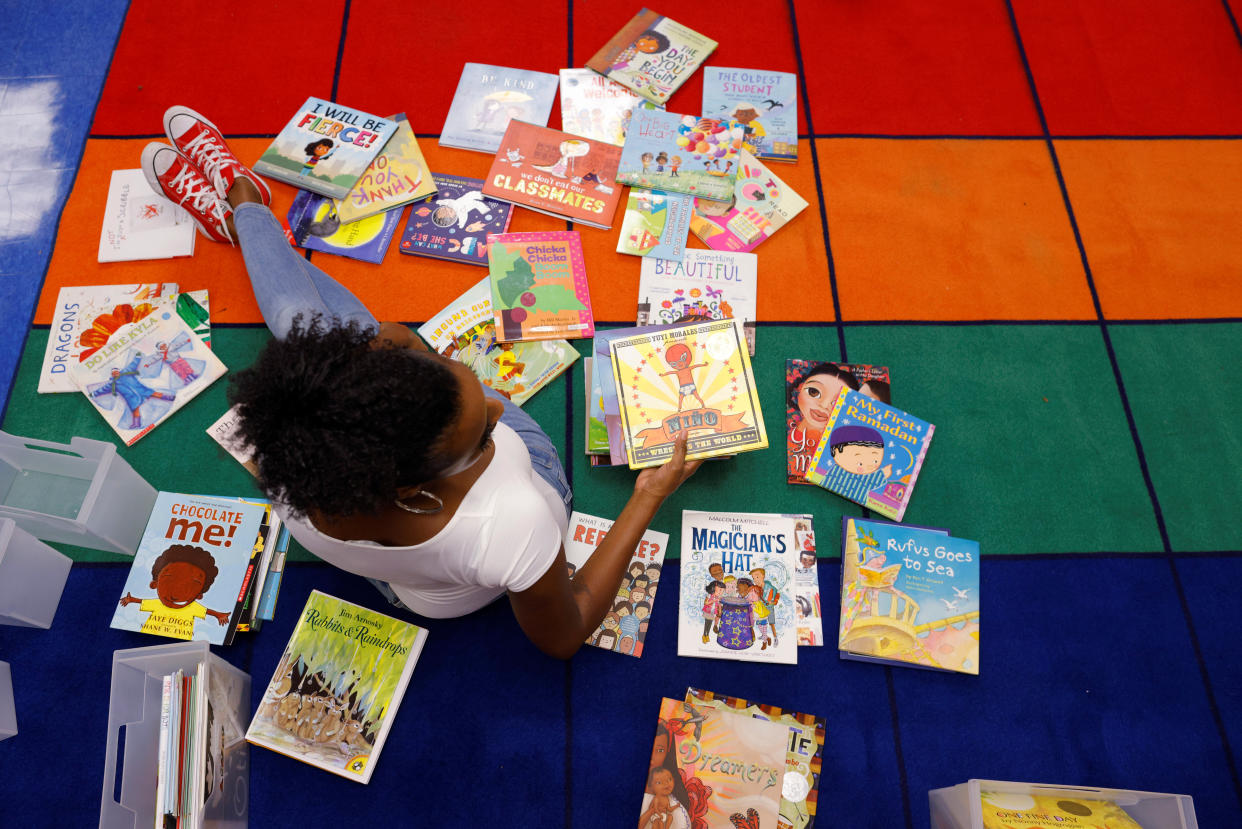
[(388, 460)]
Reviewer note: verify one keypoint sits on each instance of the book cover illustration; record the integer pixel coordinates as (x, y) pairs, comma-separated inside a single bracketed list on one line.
[(811, 389), (804, 752), (488, 98), (594, 107), (870, 453), (315, 225), (681, 154), (141, 224), (225, 432), (336, 690), (556, 173), (146, 371), (704, 285), (695, 378), (189, 567), (656, 224), (325, 148), (465, 330), (652, 55), (1012, 810), (764, 102), (808, 606), (265, 542), (713, 769), (759, 205), (596, 429), (624, 628), (909, 596), (737, 590), (455, 222), (539, 286), (397, 176)]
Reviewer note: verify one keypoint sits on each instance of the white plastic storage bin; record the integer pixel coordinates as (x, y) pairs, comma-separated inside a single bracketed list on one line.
[(32, 577), (129, 783), (80, 493), (8, 711), (960, 807)]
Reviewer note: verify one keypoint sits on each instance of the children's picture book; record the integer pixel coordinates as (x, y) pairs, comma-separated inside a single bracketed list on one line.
[(465, 330), (804, 752), (870, 453), (594, 107), (325, 148), (705, 285), (396, 177), (737, 588), (695, 378), (909, 596), (652, 55), (760, 205), (195, 308), (624, 628), (681, 154), (811, 388), (189, 567), (315, 225), (147, 370), (711, 768), (1012, 810), (763, 101), (656, 224), (225, 432), (141, 224), (808, 607), (596, 430), (454, 223), (245, 615), (539, 286), (557, 173), (336, 690), (488, 98)]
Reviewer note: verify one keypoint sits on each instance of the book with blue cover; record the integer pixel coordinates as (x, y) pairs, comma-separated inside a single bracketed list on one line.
[(681, 154), (764, 102), (454, 223), (315, 225), (488, 98)]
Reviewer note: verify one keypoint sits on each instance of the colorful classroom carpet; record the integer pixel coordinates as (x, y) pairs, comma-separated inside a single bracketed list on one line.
[(1028, 210)]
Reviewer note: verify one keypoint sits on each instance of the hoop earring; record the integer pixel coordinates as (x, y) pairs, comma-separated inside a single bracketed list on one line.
[(438, 501)]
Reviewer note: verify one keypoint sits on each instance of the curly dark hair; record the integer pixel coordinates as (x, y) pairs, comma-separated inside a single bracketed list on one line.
[(190, 554), (831, 369), (338, 426)]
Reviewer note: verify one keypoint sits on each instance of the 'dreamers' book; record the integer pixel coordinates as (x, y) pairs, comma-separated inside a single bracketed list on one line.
[(397, 176), (325, 148), (539, 286), (681, 154), (704, 285), (488, 98), (652, 55), (763, 101), (656, 224), (594, 107), (811, 389), (454, 223), (337, 687), (761, 205), (737, 587), (909, 596)]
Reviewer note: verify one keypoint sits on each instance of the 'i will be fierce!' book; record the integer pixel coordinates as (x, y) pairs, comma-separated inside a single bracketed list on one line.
[(539, 286)]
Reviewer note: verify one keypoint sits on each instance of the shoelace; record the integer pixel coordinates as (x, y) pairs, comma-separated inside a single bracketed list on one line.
[(210, 157), (203, 195)]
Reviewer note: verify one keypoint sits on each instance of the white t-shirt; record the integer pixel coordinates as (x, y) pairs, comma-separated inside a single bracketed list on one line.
[(504, 536)]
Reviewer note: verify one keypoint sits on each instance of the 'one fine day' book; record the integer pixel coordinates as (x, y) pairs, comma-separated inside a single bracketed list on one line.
[(539, 286), (652, 55)]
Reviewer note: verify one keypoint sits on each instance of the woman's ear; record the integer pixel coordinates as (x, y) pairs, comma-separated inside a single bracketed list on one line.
[(495, 408)]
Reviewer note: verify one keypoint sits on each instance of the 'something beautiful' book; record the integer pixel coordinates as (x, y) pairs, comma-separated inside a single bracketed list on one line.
[(652, 55), (704, 285), (488, 98)]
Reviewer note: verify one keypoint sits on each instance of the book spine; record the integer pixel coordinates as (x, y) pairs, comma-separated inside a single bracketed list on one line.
[(914, 472), (271, 585)]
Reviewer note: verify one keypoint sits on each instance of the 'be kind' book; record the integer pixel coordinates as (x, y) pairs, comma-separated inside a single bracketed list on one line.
[(539, 286), (488, 98), (652, 55)]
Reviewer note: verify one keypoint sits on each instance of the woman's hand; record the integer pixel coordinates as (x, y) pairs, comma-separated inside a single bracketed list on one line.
[(662, 481)]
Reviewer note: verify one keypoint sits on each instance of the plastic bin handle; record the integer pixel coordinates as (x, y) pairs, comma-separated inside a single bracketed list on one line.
[(46, 445)]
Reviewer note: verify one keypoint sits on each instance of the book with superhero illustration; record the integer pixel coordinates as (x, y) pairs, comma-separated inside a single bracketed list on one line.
[(695, 378), (909, 596), (325, 148), (465, 330), (704, 285), (488, 98), (760, 205), (539, 286), (557, 173), (804, 751), (142, 224), (147, 370), (870, 453), (763, 101), (315, 225), (737, 586), (336, 690), (189, 568), (652, 55), (655, 224), (396, 177), (811, 388), (454, 223), (624, 628), (594, 107), (681, 154)]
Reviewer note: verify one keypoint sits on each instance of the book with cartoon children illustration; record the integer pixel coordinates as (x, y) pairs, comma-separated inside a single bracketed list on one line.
[(681, 154), (454, 223), (397, 176), (335, 692), (704, 285), (807, 604), (624, 627), (870, 453), (142, 224), (764, 101), (594, 107), (325, 148), (652, 55), (189, 568), (147, 370), (539, 286), (737, 586), (760, 205), (488, 98), (811, 389), (655, 224), (315, 225), (909, 596)]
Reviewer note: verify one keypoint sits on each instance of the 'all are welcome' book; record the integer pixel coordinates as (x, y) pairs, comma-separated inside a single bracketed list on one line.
[(763, 101), (396, 177), (704, 285), (539, 286), (594, 107), (656, 224), (652, 55), (488, 98), (681, 154), (811, 389), (761, 205), (455, 222)]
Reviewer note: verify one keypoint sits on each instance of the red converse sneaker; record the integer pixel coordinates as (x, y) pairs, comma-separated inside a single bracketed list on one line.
[(170, 173), (198, 140)]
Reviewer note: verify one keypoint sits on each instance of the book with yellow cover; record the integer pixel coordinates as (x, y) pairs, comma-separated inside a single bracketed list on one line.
[(1005, 810), (397, 176)]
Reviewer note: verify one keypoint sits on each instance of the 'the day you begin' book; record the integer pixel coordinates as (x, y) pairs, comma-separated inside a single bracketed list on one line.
[(397, 176), (315, 225), (539, 286), (652, 55), (681, 154), (811, 389), (761, 205), (763, 101), (454, 223), (704, 285), (656, 224), (488, 98)]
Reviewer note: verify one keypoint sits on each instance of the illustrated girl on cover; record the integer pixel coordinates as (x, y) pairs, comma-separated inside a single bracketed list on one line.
[(649, 42), (668, 803), (140, 400), (185, 371), (316, 151)]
